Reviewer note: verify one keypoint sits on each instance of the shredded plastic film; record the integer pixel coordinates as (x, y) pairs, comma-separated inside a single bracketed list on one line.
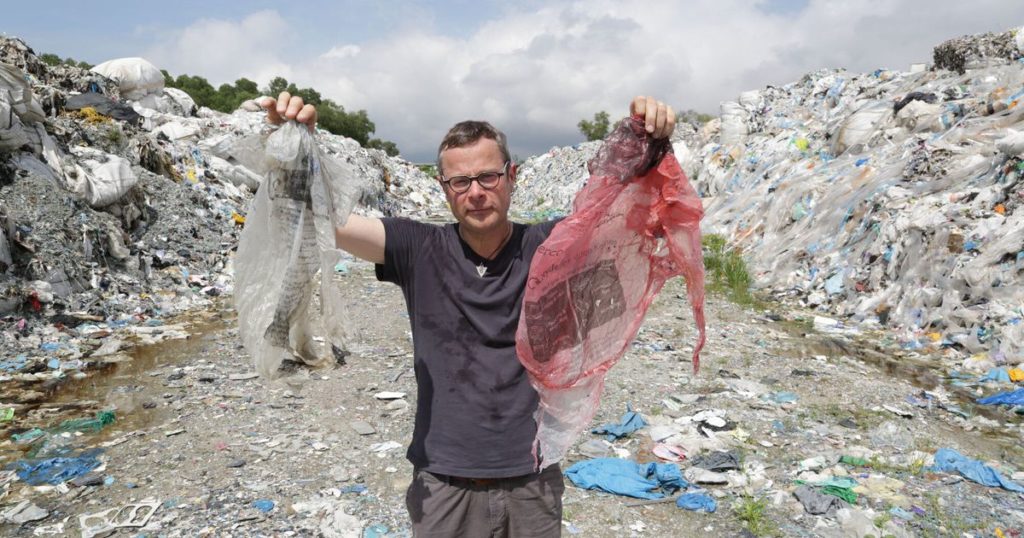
[(634, 225), (288, 238)]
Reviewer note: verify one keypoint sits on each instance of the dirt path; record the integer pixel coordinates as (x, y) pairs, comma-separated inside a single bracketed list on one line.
[(209, 443)]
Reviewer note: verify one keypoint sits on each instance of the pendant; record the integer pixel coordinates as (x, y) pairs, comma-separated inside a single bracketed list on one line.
[(481, 270)]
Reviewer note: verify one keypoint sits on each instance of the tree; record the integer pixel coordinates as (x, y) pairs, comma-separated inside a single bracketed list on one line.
[(388, 146), (692, 116), (277, 85), (50, 59), (54, 60), (332, 116), (245, 85), (597, 129)]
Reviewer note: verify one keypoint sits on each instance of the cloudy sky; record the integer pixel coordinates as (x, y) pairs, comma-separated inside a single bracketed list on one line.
[(533, 68)]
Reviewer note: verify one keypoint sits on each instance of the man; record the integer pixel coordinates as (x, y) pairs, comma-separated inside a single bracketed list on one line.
[(473, 470)]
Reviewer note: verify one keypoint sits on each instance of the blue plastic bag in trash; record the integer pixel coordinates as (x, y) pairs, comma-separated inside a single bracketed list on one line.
[(630, 422), (55, 471), (1005, 398), (697, 502), (625, 477), (996, 374), (949, 460)]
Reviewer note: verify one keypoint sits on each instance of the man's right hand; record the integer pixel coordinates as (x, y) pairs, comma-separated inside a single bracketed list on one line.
[(289, 107)]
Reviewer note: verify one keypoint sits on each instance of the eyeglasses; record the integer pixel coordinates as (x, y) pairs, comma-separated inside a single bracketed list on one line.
[(487, 180)]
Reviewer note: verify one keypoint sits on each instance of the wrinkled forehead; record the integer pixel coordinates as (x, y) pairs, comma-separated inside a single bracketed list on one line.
[(484, 155)]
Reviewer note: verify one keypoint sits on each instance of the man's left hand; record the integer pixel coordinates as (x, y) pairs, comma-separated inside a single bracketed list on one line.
[(659, 118)]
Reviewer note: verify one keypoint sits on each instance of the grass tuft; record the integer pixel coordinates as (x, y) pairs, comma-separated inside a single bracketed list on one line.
[(725, 271), (753, 513)]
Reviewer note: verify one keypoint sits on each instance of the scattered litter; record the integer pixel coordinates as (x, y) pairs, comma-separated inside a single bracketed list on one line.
[(697, 502), (949, 460), (816, 502), (263, 505), (629, 423), (129, 515), (1005, 398), (717, 461), (24, 512), (362, 428), (55, 471), (625, 477)]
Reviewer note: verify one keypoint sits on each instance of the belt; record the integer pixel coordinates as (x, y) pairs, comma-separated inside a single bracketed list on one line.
[(463, 481)]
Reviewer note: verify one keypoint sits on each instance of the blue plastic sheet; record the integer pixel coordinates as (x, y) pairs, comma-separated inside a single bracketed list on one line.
[(1005, 398), (263, 505), (996, 374), (55, 471), (698, 502), (625, 477), (949, 460), (630, 422)]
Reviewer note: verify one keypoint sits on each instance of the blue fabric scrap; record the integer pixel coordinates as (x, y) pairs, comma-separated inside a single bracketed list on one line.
[(949, 460), (1004, 398), (630, 422), (697, 502), (626, 477), (56, 471)]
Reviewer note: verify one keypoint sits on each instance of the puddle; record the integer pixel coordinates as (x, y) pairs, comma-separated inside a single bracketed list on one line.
[(126, 387)]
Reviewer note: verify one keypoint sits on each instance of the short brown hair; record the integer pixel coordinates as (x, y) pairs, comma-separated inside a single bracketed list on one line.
[(467, 132)]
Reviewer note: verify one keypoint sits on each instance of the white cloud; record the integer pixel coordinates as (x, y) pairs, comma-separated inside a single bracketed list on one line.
[(224, 50), (535, 74), (342, 52)]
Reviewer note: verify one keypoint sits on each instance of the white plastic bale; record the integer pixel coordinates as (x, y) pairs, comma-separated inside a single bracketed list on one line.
[(175, 130), (734, 123), (1011, 144), (100, 178), (16, 91), (135, 77), (918, 116), (185, 104), (862, 126), (12, 131)]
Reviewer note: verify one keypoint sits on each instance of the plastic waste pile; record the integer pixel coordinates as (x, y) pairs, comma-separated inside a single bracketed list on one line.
[(121, 203), (885, 199)]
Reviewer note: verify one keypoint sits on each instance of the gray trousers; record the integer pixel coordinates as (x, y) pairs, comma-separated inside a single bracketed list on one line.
[(527, 506)]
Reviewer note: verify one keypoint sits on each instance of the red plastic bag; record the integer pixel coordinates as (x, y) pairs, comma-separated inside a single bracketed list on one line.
[(634, 225)]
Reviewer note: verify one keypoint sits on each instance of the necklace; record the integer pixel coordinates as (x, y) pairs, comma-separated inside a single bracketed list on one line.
[(481, 268)]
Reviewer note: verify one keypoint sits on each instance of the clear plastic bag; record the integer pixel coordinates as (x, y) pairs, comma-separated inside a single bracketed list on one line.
[(289, 238), (634, 225)]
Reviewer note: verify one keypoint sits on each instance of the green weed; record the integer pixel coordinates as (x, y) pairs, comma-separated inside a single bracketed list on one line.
[(725, 271), (753, 513)]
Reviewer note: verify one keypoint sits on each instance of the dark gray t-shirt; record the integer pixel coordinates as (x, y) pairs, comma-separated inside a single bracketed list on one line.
[(475, 405)]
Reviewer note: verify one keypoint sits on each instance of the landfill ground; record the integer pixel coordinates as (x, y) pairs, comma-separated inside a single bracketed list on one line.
[(207, 442)]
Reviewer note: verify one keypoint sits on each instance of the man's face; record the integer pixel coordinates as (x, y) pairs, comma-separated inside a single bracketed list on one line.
[(479, 210)]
